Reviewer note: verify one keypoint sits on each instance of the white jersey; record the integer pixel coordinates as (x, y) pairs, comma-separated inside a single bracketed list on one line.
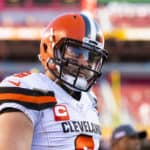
[(60, 122)]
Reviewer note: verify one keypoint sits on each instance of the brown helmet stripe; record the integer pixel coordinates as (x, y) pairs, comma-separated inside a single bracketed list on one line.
[(87, 25)]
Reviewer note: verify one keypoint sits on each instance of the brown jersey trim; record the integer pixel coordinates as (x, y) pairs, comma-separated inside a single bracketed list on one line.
[(34, 92), (33, 99)]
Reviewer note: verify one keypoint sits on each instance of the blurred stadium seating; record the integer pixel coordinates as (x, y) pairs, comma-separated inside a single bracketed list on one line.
[(125, 96)]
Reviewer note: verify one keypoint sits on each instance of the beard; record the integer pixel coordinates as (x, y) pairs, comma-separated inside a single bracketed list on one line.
[(80, 82), (74, 71)]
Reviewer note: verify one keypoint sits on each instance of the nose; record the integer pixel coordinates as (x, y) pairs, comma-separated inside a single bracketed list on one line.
[(83, 60)]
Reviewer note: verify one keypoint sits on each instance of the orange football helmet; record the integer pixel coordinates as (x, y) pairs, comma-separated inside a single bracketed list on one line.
[(72, 48)]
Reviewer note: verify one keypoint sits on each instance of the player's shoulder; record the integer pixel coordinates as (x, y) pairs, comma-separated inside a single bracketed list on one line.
[(26, 89), (93, 98), (21, 79), (92, 94)]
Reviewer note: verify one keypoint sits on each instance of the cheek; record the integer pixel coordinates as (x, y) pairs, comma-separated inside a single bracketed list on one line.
[(50, 53), (124, 145), (133, 145)]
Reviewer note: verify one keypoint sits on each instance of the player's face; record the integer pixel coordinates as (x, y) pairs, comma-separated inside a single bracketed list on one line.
[(77, 63), (77, 54), (129, 143), (82, 57), (134, 143)]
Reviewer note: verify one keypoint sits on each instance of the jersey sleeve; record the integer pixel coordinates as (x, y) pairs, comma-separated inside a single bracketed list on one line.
[(31, 114), (29, 101)]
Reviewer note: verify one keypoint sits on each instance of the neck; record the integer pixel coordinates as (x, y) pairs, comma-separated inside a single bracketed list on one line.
[(74, 93)]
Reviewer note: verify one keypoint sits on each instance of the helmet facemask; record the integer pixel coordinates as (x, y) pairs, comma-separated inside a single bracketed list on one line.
[(78, 63)]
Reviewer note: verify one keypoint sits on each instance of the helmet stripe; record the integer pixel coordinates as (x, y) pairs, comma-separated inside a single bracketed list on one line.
[(90, 27), (87, 26), (93, 29)]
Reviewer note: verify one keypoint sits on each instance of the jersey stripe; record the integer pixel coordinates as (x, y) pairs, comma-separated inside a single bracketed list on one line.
[(90, 27), (33, 99)]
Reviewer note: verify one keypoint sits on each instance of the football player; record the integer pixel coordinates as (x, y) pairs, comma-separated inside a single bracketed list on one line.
[(55, 110)]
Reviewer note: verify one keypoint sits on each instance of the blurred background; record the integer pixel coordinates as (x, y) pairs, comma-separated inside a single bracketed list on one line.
[(124, 89)]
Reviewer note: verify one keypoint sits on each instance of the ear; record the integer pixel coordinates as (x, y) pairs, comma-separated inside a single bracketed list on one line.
[(50, 64)]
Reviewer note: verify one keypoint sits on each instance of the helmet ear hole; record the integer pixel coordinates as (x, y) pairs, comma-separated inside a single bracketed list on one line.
[(45, 47)]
